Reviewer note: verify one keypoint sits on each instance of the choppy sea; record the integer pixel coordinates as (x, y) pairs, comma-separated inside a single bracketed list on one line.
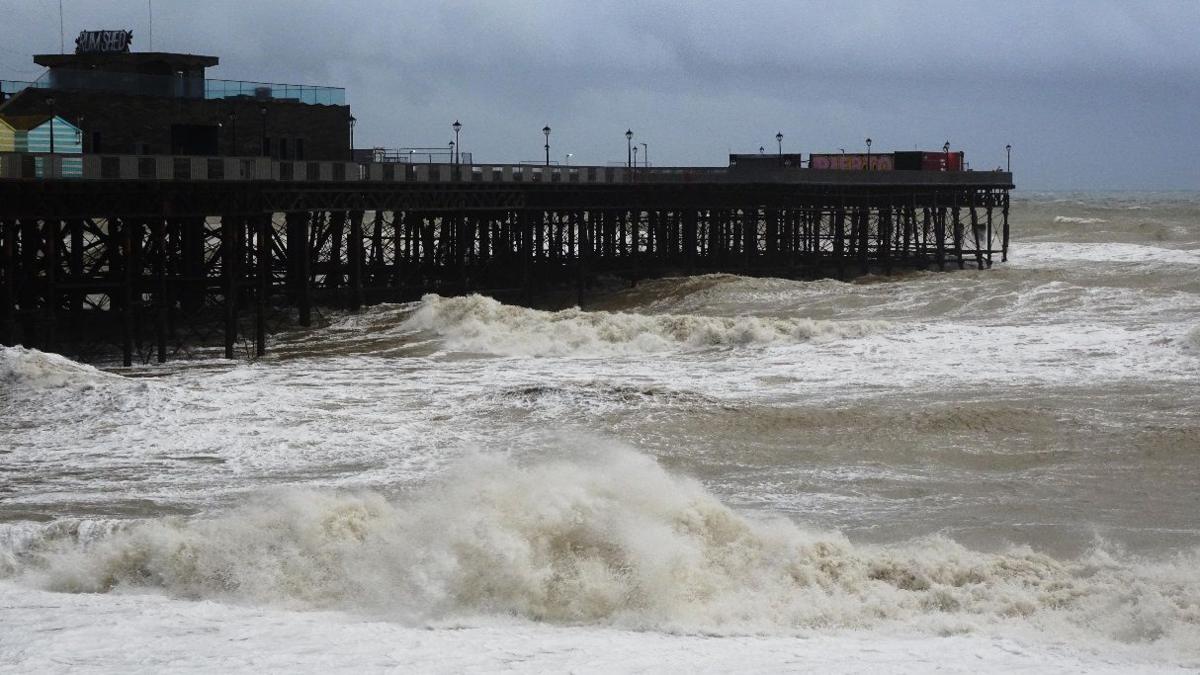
[(972, 471)]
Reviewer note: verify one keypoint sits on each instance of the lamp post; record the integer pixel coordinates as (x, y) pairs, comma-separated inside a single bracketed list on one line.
[(546, 131), (635, 156), (452, 147), (262, 112), (779, 140), (946, 158), (868, 154), (50, 102), (232, 134), (1008, 158), (629, 148), (567, 158), (762, 150), (353, 119), (645, 154), (458, 149)]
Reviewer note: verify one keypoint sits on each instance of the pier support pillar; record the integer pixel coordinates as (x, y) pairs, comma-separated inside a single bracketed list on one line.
[(354, 256)]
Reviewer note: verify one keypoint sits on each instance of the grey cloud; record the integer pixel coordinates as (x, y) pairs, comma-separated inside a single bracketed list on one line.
[(1092, 94)]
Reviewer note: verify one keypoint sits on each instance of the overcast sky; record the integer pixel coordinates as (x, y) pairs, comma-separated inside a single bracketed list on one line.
[(1092, 95)]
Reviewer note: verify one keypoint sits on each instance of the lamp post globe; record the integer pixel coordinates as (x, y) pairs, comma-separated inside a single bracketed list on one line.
[(458, 152)]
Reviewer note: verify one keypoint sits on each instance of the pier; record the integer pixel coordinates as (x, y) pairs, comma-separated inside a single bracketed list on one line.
[(147, 255)]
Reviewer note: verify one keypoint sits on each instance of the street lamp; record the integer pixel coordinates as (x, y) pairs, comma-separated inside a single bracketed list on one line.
[(458, 153), (645, 154), (567, 159), (868, 154), (353, 120), (762, 150), (262, 112), (546, 131), (451, 152), (232, 133), (779, 140), (843, 150), (635, 156), (629, 148), (50, 102), (1008, 158)]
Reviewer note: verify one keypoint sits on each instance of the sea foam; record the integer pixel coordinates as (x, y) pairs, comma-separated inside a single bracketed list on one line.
[(479, 324)]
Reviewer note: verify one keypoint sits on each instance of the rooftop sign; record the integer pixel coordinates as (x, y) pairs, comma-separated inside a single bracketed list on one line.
[(103, 41)]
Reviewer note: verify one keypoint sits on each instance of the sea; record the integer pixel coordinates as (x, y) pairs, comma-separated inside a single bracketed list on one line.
[(969, 471)]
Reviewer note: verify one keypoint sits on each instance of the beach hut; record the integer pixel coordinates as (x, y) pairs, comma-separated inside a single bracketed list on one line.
[(45, 134), (8, 137)]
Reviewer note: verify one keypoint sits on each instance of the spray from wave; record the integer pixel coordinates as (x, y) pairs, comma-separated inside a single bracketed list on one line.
[(34, 369), (605, 536), (479, 324)]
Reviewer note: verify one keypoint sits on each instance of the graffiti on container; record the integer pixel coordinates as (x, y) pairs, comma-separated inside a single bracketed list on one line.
[(103, 41), (851, 162)]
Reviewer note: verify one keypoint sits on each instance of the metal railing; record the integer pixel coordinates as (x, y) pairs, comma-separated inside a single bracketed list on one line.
[(139, 84)]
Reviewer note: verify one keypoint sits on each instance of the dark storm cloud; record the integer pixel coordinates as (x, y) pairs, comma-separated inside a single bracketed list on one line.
[(1091, 94)]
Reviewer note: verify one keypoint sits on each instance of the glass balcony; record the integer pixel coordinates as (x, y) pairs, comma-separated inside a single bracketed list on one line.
[(186, 87), (10, 87), (280, 92)]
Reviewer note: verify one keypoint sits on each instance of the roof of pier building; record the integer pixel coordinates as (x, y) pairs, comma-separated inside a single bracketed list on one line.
[(146, 63)]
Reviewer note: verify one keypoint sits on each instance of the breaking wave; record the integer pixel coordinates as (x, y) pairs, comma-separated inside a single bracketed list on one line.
[(23, 367), (605, 536), (479, 324)]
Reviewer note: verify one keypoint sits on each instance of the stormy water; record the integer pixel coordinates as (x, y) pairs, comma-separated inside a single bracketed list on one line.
[(975, 470)]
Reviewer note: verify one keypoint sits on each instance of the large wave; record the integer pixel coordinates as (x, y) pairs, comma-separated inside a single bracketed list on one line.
[(479, 324), (602, 535)]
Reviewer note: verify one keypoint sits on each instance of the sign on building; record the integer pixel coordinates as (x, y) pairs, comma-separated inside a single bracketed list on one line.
[(103, 41)]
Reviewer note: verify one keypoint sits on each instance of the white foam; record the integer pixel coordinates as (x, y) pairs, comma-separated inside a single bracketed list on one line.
[(46, 632), (480, 324), (1040, 253), (1078, 221)]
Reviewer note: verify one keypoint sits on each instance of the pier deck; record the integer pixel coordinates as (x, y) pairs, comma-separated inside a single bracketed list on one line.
[(146, 253)]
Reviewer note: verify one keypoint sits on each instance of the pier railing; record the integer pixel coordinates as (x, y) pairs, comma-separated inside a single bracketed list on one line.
[(35, 166)]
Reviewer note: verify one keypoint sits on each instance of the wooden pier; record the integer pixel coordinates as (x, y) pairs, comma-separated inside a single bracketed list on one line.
[(148, 255)]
